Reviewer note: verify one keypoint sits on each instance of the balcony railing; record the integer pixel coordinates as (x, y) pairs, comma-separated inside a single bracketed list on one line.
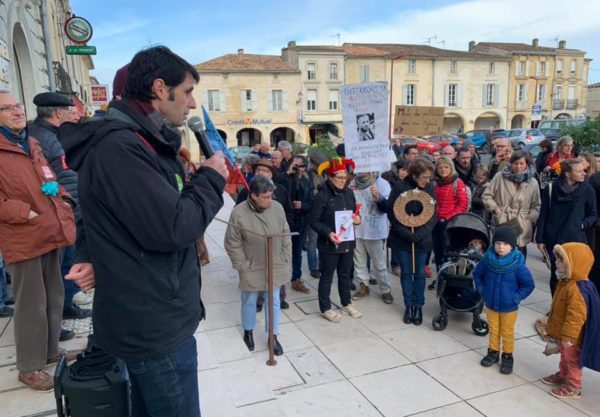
[(572, 104), (63, 80), (558, 104)]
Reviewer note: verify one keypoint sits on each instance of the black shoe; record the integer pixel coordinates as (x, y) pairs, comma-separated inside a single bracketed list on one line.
[(10, 301), (408, 315), (315, 273), (506, 367), (431, 286), (277, 349), (372, 281), (66, 335), (76, 312), (490, 359), (417, 316), (249, 340), (6, 311), (259, 308), (283, 305)]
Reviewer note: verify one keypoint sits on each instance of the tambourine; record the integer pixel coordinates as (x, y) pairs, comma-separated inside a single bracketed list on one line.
[(409, 220)]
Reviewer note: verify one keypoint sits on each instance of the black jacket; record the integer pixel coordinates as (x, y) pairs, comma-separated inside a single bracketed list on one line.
[(299, 189), (402, 236), (47, 134), (567, 216), (141, 224), (322, 216)]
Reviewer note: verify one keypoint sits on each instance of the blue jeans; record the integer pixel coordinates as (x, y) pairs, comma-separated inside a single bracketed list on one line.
[(166, 386), (297, 245), (413, 285), (311, 249), (71, 288), (249, 299)]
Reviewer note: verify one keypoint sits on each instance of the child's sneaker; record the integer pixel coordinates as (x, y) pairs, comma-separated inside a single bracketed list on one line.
[(554, 379), (566, 391), (506, 366)]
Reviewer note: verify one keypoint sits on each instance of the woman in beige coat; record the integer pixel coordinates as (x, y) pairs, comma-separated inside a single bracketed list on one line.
[(259, 215), (514, 198)]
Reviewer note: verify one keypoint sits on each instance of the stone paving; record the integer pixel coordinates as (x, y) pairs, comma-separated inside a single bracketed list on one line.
[(369, 367)]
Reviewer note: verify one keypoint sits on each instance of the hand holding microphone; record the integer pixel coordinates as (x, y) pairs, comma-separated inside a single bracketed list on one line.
[(214, 160)]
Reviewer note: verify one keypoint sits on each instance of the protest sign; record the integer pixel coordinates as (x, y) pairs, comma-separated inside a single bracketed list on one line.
[(418, 120)]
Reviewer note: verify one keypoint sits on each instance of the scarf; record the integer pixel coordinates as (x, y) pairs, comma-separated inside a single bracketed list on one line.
[(253, 206), (509, 263), (170, 133), (447, 180), (519, 178), (363, 181), (566, 187), (19, 139)]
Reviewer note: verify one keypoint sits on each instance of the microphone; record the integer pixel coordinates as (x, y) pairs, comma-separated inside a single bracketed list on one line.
[(197, 126)]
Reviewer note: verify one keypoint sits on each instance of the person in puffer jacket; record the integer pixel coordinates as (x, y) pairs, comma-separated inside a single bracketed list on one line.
[(504, 281), (574, 320)]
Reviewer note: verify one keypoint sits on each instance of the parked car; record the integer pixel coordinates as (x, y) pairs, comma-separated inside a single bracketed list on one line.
[(551, 128), (477, 136), (442, 140), (423, 146), (521, 137)]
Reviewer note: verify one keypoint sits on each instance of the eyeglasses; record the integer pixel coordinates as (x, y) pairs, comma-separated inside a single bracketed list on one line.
[(12, 107), (425, 177)]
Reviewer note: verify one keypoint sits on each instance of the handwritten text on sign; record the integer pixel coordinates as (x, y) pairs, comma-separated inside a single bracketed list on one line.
[(418, 120)]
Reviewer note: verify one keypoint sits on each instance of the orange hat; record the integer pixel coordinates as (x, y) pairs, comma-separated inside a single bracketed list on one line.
[(335, 165)]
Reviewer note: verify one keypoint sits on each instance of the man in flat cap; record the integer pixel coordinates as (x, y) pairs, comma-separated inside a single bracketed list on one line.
[(36, 221), (54, 109)]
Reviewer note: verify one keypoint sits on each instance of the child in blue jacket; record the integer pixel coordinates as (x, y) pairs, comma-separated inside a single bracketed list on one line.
[(504, 281)]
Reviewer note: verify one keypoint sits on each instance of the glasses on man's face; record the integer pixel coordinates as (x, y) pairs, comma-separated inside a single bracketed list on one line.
[(12, 107), (425, 177)]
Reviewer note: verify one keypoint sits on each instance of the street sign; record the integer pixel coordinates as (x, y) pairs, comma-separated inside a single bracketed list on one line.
[(80, 50), (536, 112), (78, 29)]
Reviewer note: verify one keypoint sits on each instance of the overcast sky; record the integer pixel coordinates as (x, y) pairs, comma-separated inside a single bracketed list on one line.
[(202, 30)]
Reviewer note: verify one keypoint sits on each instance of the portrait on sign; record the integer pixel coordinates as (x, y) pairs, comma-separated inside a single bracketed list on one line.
[(365, 126)]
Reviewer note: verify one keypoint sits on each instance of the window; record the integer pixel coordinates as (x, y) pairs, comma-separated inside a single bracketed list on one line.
[(491, 68), (540, 69), (559, 65), (573, 67), (410, 95), (557, 92), (489, 91), (311, 100), (214, 100), (453, 67), (522, 68), (364, 73), (540, 93), (277, 100), (333, 71), (311, 72), (333, 99), (412, 66), (521, 93), (571, 93), (248, 99), (451, 95)]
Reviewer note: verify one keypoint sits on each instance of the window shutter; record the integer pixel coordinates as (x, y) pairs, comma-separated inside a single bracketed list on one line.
[(415, 94), (270, 101), (446, 95), (284, 101), (517, 93), (243, 105), (459, 95), (525, 93), (484, 96), (404, 94), (538, 68), (223, 102), (205, 99), (254, 101), (526, 68), (547, 69), (496, 95)]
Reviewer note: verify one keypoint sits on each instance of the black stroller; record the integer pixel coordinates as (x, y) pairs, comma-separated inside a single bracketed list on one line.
[(466, 238)]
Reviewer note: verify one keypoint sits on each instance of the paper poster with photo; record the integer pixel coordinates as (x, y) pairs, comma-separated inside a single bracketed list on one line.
[(365, 118), (344, 227)]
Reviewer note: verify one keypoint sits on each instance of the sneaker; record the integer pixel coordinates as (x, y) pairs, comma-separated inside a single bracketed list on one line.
[(10, 301), (315, 273), (75, 312), (6, 311), (82, 298), (372, 281), (554, 380), (332, 316), (566, 391), (66, 335), (506, 367), (37, 380), (363, 292), (387, 298), (352, 311), (491, 358), (396, 271), (283, 305), (71, 355), (427, 271), (298, 285), (431, 286)]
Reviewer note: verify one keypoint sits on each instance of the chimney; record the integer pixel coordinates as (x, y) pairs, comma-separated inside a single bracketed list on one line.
[(562, 44), (471, 45), (535, 42), (241, 51), (291, 44)]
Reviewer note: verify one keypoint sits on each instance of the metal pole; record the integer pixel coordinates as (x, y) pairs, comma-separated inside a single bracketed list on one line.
[(47, 46), (271, 361), (391, 97)]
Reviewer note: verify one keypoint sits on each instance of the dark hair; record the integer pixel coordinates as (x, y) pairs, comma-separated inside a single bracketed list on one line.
[(419, 166), (547, 143), (260, 185), (566, 165), (151, 64), (408, 148), (401, 164), (516, 155), (464, 149)]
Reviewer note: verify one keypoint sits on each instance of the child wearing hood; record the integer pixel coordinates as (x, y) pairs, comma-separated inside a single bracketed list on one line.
[(504, 281), (574, 320)]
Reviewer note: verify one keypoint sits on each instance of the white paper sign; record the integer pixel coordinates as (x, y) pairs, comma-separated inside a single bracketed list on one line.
[(365, 118), (344, 228)]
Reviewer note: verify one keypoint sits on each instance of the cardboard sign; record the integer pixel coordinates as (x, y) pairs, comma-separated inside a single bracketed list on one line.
[(418, 120)]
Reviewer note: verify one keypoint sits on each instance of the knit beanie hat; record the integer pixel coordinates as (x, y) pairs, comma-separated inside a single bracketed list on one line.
[(120, 81), (505, 234)]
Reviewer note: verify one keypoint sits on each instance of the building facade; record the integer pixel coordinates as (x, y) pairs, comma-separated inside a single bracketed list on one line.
[(593, 100)]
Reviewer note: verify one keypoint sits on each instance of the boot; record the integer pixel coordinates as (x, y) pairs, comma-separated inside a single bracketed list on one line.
[(277, 349), (417, 316), (490, 359), (507, 363), (249, 340), (408, 315), (362, 292)]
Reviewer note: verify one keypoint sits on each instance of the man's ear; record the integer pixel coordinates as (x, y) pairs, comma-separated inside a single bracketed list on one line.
[(159, 88)]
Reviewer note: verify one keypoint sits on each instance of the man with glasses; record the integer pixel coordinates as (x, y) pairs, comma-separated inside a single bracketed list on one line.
[(36, 221), (503, 153)]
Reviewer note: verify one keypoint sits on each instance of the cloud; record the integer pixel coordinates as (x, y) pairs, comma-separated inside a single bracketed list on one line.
[(120, 27)]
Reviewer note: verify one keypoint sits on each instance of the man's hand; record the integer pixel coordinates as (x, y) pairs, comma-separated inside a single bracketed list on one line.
[(355, 219), (497, 212), (542, 248), (297, 204), (374, 192), (217, 162), (32, 214), (334, 238), (83, 275)]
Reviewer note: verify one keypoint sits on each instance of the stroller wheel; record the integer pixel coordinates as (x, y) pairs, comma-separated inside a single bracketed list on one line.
[(480, 327), (440, 322)]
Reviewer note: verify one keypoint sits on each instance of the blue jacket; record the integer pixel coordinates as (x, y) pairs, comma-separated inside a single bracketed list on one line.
[(502, 292)]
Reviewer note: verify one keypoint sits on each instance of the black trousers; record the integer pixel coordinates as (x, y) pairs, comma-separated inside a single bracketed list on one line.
[(330, 263)]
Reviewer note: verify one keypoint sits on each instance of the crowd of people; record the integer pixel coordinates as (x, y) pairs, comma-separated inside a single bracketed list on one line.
[(115, 205)]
